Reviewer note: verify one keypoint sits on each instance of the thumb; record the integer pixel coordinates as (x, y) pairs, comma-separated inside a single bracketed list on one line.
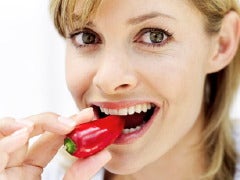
[(85, 169)]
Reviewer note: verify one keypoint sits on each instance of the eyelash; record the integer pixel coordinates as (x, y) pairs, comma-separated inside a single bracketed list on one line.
[(167, 35)]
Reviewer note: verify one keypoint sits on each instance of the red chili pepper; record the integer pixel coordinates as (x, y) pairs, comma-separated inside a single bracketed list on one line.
[(89, 138)]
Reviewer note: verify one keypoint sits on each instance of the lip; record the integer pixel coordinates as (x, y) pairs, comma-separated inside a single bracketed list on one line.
[(132, 137)]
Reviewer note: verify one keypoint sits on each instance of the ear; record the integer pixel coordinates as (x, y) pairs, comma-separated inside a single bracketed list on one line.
[(227, 42)]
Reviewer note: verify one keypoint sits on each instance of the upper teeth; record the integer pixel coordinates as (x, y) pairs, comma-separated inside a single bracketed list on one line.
[(127, 111)]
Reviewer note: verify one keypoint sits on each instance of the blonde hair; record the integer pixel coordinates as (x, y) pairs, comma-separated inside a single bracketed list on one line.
[(220, 87), (64, 17)]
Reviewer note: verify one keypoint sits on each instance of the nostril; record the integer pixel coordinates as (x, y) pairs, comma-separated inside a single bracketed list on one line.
[(122, 86)]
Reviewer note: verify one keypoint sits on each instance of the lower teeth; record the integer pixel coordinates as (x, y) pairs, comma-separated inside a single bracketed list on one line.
[(131, 130)]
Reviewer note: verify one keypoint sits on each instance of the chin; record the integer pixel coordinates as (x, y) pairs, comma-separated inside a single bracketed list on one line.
[(122, 168), (125, 163)]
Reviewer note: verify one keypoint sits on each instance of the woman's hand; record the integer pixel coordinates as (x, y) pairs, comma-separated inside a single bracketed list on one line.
[(24, 162)]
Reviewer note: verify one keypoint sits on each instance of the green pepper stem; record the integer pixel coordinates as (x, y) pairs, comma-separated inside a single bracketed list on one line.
[(70, 145)]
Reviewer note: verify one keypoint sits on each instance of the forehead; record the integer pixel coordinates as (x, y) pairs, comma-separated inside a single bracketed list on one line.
[(127, 8)]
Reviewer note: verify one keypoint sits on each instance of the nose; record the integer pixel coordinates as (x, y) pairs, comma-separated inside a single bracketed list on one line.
[(115, 76)]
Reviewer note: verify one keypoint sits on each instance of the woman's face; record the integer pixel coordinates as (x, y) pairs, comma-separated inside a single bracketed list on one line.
[(142, 56)]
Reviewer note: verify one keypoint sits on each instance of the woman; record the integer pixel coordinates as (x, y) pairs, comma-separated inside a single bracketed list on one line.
[(170, 67)]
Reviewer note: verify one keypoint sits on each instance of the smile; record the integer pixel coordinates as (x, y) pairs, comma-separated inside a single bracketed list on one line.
[(137, 119)]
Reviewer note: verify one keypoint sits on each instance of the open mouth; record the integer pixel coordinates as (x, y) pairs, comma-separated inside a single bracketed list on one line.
[(135, 116)]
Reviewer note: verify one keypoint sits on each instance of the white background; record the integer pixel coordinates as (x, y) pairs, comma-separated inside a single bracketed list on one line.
[(32, 62)]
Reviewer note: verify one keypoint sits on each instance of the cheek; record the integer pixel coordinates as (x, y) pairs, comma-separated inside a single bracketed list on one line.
[(183, 91), (78, 75), (180, 84), (76, 82), (176, 81)]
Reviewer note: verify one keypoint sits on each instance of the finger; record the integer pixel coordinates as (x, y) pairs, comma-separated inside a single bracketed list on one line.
[(50, 122), (17, 157), (9, 125), (16, 140), (85, 169), (15, 146), (4, 160), (83, 116), (44, 149)]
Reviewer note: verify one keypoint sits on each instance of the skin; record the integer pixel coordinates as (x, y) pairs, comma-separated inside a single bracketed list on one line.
[(170, 75), (179, 66)]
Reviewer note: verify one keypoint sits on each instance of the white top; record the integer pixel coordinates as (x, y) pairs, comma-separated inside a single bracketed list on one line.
[(57, 167)]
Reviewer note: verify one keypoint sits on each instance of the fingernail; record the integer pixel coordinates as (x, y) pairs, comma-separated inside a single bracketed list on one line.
[(19, 132), (84, 110), (67, 121)]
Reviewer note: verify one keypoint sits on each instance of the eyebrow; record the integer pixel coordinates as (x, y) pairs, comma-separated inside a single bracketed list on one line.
[(134, 20), (144, 17)]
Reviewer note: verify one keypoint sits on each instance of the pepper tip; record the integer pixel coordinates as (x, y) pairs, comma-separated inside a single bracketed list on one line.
[(70, 146)]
